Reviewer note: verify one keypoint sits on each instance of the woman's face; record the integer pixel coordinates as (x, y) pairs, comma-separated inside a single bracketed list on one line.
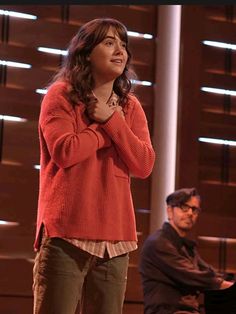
[(108, 59)]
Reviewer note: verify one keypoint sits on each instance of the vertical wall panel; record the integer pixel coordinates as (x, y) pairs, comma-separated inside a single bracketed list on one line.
[(210, 167)]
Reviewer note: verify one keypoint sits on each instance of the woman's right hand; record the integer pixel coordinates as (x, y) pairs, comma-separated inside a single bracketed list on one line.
[(99, 112)]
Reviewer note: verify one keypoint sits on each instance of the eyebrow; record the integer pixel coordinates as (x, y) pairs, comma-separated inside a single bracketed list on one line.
[(114, 38), (111, 37)]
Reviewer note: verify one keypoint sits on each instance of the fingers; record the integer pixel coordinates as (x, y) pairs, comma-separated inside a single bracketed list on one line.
[(121, 112), (226, 284), (99, 112)]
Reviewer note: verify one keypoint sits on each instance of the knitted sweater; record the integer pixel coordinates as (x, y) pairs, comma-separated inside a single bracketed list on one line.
[(85, 169)]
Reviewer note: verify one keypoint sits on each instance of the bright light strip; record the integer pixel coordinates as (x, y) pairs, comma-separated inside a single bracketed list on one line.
[(216, 141), (41, 91), (219, 44), (217, 239), (135, 82), (65, 52), (8, 223), (147, 36), (37, 167), (136, 34), (133, 34), (145, 83), (15, 64), (18, 14), (219, 91), (53, 51), (12, 118)]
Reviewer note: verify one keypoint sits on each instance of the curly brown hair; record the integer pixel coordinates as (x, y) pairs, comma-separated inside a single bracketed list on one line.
[(76, 69)]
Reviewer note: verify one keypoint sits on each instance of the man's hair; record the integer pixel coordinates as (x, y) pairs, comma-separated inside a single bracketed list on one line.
[(181, 196)]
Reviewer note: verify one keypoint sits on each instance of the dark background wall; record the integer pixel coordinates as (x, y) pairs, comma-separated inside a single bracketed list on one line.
[(209, 167), (54, 27)]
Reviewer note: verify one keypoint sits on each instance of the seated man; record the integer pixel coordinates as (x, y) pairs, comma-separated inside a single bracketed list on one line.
[(173, 274)]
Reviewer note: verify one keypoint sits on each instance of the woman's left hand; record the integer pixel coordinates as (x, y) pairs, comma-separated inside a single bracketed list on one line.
[(99, 112), (120, 110)]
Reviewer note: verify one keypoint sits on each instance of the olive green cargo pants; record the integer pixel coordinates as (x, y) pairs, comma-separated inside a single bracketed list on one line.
[(66, 277)]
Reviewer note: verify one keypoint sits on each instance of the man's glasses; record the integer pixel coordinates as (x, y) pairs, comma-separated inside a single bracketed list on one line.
[(185, 208)]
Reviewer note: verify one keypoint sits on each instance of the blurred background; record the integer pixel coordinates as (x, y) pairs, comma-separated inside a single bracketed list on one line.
[(185, 60)]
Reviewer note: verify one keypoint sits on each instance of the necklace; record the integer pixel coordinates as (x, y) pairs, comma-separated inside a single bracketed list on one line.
[(112, 100)]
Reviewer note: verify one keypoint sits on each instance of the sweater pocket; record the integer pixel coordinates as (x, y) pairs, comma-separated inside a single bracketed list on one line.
[(120, 168)]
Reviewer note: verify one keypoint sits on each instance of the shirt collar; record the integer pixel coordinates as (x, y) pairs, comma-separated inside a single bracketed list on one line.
[(173, 235)]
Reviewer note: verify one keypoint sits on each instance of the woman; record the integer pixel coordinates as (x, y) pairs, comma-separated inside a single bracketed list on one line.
[(93, 136)]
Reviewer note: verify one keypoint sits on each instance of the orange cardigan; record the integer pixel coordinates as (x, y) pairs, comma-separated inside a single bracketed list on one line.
[(85, 169)]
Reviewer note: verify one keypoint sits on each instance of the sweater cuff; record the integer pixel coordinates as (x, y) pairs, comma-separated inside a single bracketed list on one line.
[(114, 120), (103, 139)]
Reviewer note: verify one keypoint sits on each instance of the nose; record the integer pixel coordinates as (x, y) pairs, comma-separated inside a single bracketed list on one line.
[(190, 212), (119, 48)]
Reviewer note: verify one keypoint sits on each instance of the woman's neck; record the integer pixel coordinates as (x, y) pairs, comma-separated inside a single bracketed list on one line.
[(103, 91)]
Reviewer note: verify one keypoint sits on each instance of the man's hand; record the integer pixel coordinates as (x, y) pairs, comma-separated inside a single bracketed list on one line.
[(226, 284)]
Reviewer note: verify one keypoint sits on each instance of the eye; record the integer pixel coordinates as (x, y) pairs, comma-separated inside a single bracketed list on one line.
[(185, 207), (108, 43)]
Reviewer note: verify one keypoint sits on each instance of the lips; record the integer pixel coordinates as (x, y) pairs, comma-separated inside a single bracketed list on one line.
[(188, 222), (117, 61)]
